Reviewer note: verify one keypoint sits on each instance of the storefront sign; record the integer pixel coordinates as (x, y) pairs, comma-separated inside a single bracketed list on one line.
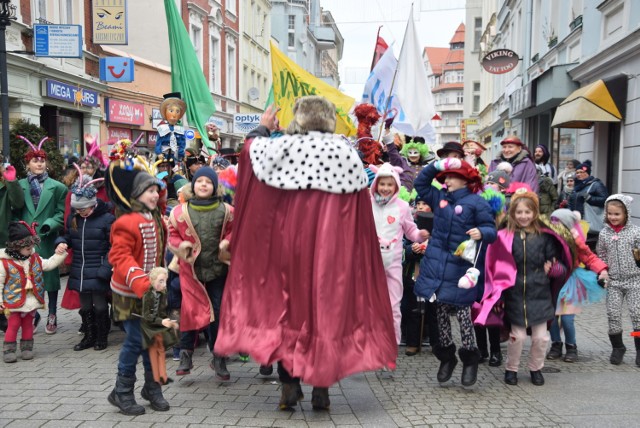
[(244, 123), (500, 61), (115, 134), (156, 117), (117, 69), (152, 137), (72, 94), (58, 41), (110, 22), (124, 112)]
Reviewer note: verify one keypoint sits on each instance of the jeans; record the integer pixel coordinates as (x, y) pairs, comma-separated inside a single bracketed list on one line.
[(568, 327), (132, 349), (215, 289)]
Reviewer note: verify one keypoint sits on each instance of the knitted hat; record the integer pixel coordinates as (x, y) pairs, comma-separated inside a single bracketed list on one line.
[(567, 217), (141, 182), (570, 176), (545, 152), (35, 152), (466, 172), (206, 171), (220, 162), (451, 146), (499, 177), (83, 193), (585, 166), (512, 139), (22, 235)]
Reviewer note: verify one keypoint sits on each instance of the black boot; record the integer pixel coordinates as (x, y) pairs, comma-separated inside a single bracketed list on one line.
[(470, 359), (636, 340), (186, 364), (572, 353), (122, 396), (617, 353), (555, 352), (291, 394), (320, 398), (448, 361), (83, 324), (103, 325), (219, 365), (89, 339), (152, 392)]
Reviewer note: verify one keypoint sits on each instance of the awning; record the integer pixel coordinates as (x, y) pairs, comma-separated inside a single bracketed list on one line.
[(601, 101)]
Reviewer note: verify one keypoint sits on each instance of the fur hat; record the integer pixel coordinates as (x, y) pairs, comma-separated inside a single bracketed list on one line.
[(451, 146), (172, 98), (22, 235), (512, 139), (585, 166), (206, 171), (313, 113), (499, 177), (36, 151)]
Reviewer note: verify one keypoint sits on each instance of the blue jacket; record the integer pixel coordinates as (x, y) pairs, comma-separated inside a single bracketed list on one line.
[(440, 270), (591, 191), (90, 241)]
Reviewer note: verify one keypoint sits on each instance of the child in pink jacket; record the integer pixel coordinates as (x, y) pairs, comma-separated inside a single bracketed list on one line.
[(393, 219)]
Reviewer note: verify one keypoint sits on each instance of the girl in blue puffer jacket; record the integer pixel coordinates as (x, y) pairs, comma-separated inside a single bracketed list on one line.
[(459, 214), (88, 229)]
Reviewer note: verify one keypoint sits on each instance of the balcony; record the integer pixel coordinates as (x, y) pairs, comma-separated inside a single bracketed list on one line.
[(325, 37)]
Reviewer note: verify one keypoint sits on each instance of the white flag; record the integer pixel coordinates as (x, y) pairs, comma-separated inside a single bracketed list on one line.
[(376, 92), (412, 83)]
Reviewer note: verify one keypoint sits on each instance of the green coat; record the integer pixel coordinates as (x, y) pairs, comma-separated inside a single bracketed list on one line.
[(50, 213), (11, 201)]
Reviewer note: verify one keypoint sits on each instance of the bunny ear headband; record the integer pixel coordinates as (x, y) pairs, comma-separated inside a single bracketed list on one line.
[(84, 190), (35, 152)]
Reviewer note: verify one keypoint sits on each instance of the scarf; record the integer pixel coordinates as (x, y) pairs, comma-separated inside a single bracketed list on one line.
[(382, 200), (15, 254), (35, 186), (210, 202)]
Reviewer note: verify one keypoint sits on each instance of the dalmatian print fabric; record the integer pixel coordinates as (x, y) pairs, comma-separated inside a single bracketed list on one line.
[(315, 161)]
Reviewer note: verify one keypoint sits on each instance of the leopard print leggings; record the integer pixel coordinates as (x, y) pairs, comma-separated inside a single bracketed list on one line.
[(617, 292), (463, 313)]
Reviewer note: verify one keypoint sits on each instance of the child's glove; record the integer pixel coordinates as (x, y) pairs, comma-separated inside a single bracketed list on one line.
[(448, 163), (9, 173), (470, 279)]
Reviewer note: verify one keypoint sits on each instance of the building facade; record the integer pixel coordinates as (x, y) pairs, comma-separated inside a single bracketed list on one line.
[(255, 79)]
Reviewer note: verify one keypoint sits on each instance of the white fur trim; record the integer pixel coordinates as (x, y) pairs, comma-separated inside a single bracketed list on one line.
[(316, 161)]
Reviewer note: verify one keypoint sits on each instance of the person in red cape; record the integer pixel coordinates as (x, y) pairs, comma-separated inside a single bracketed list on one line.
[(306, 285)]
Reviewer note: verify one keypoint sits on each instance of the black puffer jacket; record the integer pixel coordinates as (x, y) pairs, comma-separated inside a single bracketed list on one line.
[(530, 301), (90, 269), (591, 191)]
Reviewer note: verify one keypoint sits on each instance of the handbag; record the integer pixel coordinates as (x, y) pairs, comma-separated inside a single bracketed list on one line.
[(593, 215), (70, 299)]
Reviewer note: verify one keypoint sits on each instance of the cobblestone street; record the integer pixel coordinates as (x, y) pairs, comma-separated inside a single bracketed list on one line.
[(64, 388)]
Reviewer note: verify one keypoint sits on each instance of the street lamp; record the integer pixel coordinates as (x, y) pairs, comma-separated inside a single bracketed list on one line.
[(7, 14)]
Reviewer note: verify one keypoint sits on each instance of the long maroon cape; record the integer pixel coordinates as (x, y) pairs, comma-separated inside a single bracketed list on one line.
[(306, 284)]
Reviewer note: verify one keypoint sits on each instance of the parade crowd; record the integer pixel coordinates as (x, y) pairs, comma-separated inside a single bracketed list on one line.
[(318, 254)]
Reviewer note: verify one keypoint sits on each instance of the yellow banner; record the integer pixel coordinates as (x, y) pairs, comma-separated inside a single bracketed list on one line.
[(290, 82)]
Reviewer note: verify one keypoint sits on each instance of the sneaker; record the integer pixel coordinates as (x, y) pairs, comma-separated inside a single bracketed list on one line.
[(52, 325), (176, 353)]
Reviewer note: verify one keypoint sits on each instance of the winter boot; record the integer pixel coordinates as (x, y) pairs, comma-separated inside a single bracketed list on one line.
[(83, 324), (152, 392), (448, 361), (186, 364), (9, 352), (555, 352), (617, 353), (320, 398), (103, 325), (572, 353), (636, 340), (219, 365), (470, 359), (26, 349), (122, 396), (291, 394), (89, 339)]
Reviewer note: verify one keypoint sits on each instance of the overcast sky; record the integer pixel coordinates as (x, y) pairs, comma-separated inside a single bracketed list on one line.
[(358, 22)]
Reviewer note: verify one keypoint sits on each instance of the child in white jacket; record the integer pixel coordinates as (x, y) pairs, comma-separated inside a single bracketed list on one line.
[(393, 220)]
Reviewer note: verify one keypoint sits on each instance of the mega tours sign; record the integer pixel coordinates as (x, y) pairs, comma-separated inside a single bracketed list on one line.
[(500, 61)]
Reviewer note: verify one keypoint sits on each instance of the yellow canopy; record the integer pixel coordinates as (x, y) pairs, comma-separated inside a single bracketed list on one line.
[(592, 103)]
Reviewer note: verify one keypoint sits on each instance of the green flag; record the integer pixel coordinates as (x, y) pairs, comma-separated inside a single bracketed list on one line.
[(270, 99), (186, 73)]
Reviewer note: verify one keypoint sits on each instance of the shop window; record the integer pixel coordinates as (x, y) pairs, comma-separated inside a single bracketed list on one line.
[(69, 135)]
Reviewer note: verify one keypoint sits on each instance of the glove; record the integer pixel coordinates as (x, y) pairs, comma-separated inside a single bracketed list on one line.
[(162, 175), (45, 229), (10, 173), (448, 163)]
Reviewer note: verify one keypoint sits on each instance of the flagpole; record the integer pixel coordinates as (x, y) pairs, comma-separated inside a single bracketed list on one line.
[(386, 109)]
